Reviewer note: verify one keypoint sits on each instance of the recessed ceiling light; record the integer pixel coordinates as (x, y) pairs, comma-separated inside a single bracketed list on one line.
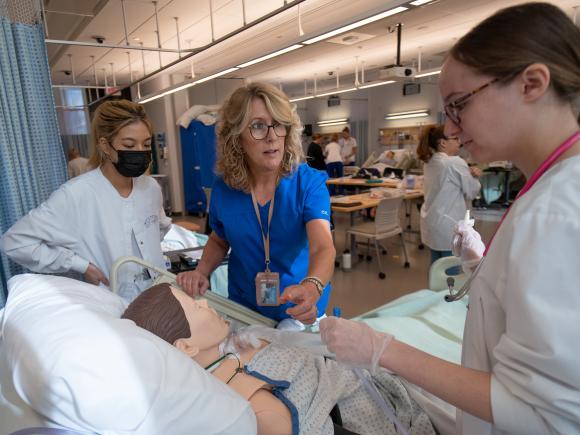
[(136, 39)]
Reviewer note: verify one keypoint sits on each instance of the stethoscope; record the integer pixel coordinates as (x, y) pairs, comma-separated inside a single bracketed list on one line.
[(561, 149), (457, 295)]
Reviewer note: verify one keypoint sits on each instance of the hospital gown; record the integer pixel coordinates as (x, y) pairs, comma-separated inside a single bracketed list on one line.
[(311, 386)]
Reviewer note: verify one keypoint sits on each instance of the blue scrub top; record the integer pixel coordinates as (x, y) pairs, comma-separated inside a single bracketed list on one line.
[(300, 197)]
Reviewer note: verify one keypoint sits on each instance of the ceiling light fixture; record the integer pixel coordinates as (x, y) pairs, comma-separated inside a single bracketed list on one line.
[(293, 100), (271, 55), (373, 84), (420, 2), (185, 86), (213, 76), (356, 24), (408, 114), (336, 91), (427, 74), (332, 121)]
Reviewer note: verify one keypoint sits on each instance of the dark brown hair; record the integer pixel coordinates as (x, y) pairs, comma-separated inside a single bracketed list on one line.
[(429, 142), (158, 311), (506, 43)]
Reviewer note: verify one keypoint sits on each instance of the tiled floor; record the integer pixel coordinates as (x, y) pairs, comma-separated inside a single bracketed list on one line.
[(359, 289)]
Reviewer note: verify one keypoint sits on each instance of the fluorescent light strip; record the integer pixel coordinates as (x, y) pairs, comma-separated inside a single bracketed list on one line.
[(301, 98), (420, 2), (337, 91), (151, 98), (372, 85), (179, 88), (432, 73), (213, 76), (408, 112), (411, 115), (357, 24), (330, 121), (271, 55), (334, 123)]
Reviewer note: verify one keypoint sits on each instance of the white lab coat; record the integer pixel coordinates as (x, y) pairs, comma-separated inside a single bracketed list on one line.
[(346, 148), (448, 183), (523, 323), (86, 220)]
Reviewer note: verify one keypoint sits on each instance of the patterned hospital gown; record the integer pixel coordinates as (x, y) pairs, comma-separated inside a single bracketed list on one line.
[(311, 385)]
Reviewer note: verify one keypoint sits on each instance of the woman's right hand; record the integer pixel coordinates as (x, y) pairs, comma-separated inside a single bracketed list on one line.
[(194, 283), (93, 275)]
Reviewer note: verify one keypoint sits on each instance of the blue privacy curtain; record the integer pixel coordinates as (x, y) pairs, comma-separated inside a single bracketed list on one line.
[(32, 161)]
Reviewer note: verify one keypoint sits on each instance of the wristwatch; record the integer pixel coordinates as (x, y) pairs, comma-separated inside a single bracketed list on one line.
[(316, 281)]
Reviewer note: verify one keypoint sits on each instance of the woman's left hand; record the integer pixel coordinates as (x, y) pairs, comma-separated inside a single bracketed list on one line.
[(305, 297)]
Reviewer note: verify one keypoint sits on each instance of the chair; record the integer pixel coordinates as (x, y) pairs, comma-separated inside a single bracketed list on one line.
[(438, 274), (387, 224)]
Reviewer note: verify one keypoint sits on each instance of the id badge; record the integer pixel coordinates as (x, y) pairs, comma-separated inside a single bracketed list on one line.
[(268, 289)]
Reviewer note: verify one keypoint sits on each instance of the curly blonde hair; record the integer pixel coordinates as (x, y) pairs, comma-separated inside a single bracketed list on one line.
[(109, 118), (235, 113)]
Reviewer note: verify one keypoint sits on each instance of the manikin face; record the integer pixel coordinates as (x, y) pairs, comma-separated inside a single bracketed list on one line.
[(207, 328), (489, 119), (132, 137), (263, 155)]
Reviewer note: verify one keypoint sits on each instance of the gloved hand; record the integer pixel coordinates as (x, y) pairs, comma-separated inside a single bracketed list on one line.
[(467, 245), (354, 343)]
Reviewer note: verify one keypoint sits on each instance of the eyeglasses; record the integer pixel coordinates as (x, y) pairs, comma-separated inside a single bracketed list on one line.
[(453, 108), (260, 130)]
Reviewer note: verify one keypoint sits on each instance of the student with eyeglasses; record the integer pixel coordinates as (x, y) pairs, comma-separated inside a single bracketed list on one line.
[(449, 182), (271, 209), (510, 88)]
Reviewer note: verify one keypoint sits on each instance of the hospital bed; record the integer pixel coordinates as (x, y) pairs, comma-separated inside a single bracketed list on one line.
[(67, 360)]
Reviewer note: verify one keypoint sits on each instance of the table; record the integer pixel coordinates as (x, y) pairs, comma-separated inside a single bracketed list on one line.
[(366, 201), (360, 182)]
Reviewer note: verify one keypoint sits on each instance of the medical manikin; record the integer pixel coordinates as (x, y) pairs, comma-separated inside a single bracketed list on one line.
[(290, 389)]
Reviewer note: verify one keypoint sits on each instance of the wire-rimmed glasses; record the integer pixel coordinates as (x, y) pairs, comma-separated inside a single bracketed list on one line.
[(453, 108)]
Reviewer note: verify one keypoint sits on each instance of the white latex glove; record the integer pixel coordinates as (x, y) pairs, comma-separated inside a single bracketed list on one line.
[(240, 340), (467, 245), (354, 343)]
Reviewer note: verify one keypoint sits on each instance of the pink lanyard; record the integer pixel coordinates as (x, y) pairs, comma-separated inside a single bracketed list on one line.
[(547, 164)]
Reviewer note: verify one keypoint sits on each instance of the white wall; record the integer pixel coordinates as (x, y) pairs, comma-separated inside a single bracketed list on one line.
[(214, 91), (163, 116), (389, 98), (373, 104)]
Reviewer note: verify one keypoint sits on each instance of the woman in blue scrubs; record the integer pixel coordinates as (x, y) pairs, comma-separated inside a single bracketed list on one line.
[(270, 209)]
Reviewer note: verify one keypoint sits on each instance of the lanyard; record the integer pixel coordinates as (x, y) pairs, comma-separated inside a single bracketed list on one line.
[(265, 239), (547, 164)]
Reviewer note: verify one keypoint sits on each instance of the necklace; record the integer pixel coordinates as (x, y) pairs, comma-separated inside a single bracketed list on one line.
[(220, 359)]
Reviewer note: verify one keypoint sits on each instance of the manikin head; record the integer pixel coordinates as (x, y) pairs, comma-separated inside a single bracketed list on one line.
[(188, 324)]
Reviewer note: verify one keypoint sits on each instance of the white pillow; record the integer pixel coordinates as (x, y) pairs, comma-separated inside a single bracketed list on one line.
[(75, 362)]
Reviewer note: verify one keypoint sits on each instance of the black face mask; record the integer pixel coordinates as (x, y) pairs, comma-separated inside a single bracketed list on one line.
[(132, 163)]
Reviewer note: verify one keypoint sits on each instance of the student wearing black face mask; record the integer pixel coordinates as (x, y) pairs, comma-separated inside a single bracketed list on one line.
[(110, 212)]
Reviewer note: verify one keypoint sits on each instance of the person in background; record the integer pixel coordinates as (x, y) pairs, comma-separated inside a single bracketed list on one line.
[(112, 211), (510, 89), (348, 147), (315, 156), (77, 165), (449, 182), (333, 159), (269, 210)]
